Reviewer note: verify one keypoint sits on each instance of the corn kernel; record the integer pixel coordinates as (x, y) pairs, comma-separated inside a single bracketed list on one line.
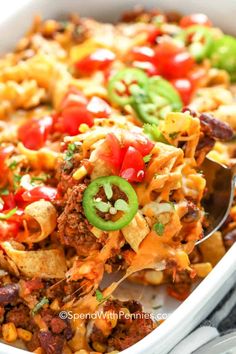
[(39, 350), (154, 277), (9, 332), (80, 173), (23, 334), (202, 269), (99, 347), (83, 128), (55, 305), (66, 350)]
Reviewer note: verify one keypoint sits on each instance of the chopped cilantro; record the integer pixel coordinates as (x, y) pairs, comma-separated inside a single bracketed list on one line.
[(70, 151), (159, 228), (172, 204), (8, 215), (13, 165), (39, 305), (147, 158), (173, 135), (100, 297), (4, 191), (43, 177), (16, 180), (153, 132)]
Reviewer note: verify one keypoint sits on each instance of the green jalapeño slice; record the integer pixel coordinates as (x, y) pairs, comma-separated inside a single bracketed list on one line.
[(110, 203), (124, 84)]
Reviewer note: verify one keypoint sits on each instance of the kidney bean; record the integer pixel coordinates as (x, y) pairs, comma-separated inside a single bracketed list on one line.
[(51, 344), (215, 128), (9, 293), (230, 238), (192, 215)]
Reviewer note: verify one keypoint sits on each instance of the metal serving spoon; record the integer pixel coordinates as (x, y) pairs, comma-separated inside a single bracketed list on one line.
[(220, 185)]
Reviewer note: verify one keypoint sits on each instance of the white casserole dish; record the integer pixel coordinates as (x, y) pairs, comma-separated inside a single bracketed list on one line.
[(15, 18)]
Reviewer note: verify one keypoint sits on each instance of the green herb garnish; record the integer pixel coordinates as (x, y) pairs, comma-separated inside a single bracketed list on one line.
[(99, 296), (4, 191), (154, 133), (39, 305), (173, 135), (70, 151), (41, 178), (159, 228), (13, 165), (8, 215), (147, 158), (16, 180)]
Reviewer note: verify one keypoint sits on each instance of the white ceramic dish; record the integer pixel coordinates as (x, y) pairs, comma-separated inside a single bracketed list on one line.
[(185, 317)]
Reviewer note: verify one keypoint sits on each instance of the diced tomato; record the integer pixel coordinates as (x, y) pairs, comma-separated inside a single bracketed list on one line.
[(144, 58), (153, 33), (40, 192), (34, 133), (142, 54), (9, 201), (73, 97), (101, 59), (139, 142), (8, 230), (197, 76), (74, 112), (72, 117), (4, 154), (113, 153), (133, 166), (31, 285), (195, 19), (172, 61), (99, 108), (185, 89)]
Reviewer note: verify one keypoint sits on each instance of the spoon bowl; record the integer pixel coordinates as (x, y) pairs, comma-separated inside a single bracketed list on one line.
[(220, 186)]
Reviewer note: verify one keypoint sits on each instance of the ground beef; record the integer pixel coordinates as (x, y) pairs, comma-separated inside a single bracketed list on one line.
[(138, 13), (20, 316), (34, 342), (55, 324), (128, 331), (9, 294), (73, 227), (52, 340), (124, 336)]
